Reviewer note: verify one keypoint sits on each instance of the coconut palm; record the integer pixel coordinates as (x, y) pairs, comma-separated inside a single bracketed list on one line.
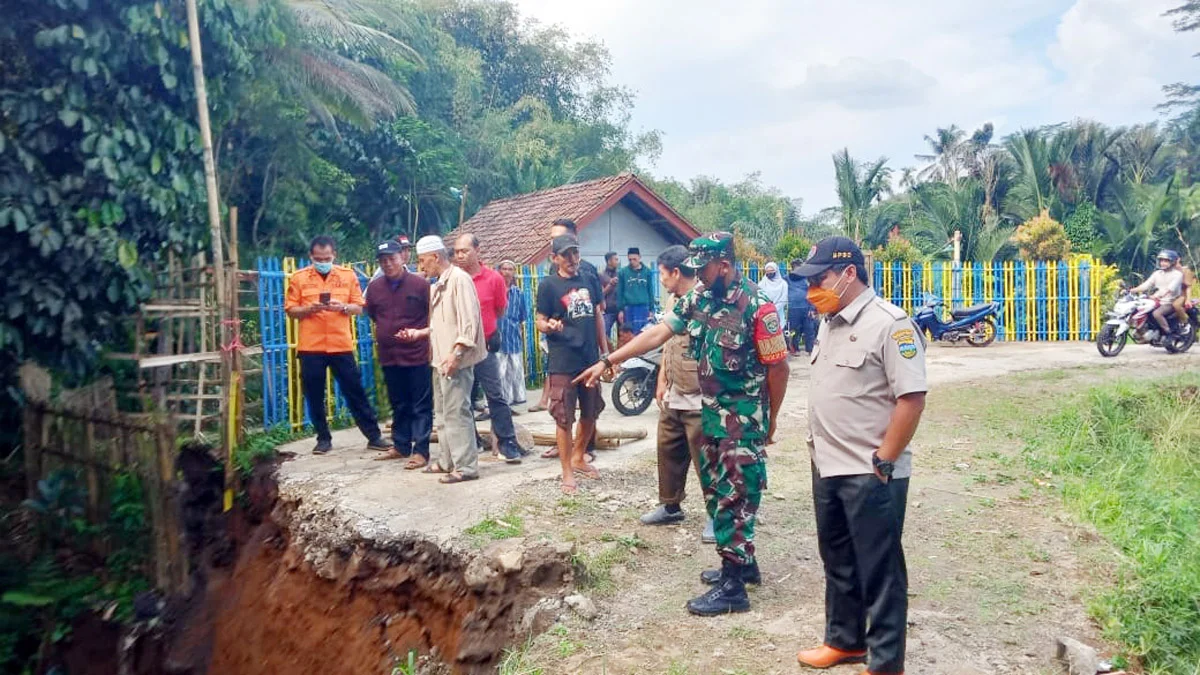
[(944, 160), (859, 185), (340, 58), (1142, 155), (942, 209)]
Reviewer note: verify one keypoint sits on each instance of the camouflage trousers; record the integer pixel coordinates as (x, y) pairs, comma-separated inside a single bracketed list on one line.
[(733, 475)]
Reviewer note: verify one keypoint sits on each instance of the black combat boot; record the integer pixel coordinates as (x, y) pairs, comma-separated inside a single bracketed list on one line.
[(750, 575), (724, 598)]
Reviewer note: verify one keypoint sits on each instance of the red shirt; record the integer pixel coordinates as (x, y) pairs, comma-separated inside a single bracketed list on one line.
[(493, 297)]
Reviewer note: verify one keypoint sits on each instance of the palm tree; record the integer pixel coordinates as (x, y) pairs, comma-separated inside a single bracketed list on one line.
[(339, 60), (859, 185), (1033, 187), (1141, 153), (1131, 231), (942, 209), (944, 162)]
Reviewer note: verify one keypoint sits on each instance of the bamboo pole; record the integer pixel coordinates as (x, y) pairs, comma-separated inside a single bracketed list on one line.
[(214, 203)]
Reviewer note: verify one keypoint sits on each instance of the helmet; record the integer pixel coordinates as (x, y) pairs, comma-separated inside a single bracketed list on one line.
[(1168, 254)]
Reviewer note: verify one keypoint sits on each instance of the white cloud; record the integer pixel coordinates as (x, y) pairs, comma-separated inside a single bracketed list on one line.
[(780, 85)]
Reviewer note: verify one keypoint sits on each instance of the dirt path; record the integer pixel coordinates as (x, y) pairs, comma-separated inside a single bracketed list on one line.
[(379, 500), (997, 573)]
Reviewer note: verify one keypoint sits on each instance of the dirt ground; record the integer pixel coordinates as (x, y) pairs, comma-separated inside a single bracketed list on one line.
[(996, 570)]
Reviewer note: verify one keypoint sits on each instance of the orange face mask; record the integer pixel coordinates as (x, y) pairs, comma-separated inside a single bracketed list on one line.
[(825, 300)]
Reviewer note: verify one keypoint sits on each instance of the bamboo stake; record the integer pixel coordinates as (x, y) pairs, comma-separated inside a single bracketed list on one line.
[(214, 204)]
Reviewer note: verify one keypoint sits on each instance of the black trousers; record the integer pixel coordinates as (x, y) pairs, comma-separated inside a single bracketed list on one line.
[(860, 520), (410, 391), (804, 326), (487, 376), (345, 373)]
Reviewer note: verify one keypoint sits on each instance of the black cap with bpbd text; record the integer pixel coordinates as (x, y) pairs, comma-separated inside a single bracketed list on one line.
[(831, 251), (563, 243)]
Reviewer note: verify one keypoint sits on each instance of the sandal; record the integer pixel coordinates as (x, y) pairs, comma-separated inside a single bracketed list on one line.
[(415, 463), (434, 468), (455, 477), (589, 472), (550, 454), (389, 456), (536, 408), (570, 488)]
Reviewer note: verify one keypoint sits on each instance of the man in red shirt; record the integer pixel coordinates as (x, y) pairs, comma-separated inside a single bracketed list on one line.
[(322, 298), (493, 299)]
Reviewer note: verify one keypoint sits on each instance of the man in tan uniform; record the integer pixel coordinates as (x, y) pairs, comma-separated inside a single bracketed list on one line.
[(680, 433), (868, 375)]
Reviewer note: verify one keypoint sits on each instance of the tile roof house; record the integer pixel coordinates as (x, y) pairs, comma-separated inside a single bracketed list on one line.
[(612, 214)]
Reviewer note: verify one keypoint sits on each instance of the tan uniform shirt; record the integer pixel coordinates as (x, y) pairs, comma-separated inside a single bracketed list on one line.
[(866, 356), (679, 368), (454, 318)]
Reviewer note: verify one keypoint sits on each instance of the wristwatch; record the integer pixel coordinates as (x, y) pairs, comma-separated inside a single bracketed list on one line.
[(884, 468), (608, 364)]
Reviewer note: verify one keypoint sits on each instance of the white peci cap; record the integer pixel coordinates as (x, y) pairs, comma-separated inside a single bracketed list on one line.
[(430, 244)]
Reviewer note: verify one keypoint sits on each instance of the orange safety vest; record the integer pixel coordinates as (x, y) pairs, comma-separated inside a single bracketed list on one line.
[(324, 332)]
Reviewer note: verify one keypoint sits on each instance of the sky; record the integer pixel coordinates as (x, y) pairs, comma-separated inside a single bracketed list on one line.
[(778, 86)]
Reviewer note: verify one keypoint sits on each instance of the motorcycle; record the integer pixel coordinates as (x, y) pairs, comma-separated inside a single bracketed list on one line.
[(975, 324), (1130, 319), (634, 388)]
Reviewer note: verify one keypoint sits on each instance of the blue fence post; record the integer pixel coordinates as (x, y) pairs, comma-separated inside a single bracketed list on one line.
[(1085, 300)]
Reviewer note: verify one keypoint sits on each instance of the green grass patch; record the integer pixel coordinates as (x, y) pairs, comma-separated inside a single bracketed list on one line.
[(493, 528), (261, 446), (595, 572), (1127, 459)]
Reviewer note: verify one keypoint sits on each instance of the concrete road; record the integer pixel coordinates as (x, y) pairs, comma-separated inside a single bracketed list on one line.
[(382, 501)]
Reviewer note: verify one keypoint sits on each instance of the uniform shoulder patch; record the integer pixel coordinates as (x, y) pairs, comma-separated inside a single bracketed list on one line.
[(768, 334), (906, 342)]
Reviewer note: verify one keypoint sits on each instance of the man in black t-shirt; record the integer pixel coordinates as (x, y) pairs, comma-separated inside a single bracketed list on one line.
[(570, 312)]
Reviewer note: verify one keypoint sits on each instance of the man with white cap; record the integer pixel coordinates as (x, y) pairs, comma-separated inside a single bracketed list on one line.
[(456, 339)]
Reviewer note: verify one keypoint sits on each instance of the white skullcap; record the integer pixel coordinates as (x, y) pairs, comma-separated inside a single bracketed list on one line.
[(430, 244)]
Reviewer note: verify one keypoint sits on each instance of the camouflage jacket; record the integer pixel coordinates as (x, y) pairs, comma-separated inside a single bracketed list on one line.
[(734, 339)]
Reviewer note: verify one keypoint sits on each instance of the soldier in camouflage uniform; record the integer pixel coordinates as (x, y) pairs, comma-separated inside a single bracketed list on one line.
[(737, 338)]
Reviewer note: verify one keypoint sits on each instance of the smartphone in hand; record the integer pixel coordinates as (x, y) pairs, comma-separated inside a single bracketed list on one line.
[(325, 298)]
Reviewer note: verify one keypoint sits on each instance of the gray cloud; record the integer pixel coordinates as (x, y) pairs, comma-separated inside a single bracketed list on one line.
[(862, 84)]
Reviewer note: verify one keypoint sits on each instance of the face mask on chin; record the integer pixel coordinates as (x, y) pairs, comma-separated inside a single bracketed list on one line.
[(826, 300)]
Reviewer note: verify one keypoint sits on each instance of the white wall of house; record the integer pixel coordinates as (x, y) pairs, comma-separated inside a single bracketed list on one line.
[(616, 230)]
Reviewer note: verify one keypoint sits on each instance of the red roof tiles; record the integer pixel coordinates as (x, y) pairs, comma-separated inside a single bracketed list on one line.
[(517, 228)]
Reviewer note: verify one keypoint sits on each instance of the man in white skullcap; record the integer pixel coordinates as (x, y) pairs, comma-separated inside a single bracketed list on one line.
[(456, 339)]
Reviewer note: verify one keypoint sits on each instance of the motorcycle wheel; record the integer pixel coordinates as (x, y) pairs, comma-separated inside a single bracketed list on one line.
[(1177, 344), (630, 393), (982, 334), (1108, 343)]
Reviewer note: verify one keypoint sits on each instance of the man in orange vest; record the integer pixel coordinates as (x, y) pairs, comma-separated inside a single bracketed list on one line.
[(322, 298)]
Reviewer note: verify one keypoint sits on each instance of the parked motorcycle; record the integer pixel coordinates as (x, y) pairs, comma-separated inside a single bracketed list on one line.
[(634, 388), (1130, 319), (975, 324)]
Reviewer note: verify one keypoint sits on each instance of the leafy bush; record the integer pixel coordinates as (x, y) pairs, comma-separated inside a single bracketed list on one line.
[(898, 249), (792, 246), (1126, 459), (1080, 227), (1042, 238)]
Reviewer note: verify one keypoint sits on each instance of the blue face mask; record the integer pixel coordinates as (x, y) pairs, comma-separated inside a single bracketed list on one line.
[(323, 267)]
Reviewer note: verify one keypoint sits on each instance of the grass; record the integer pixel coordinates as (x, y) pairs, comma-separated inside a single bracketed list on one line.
[(595, 571), (1125, 459), (494, 528), (517, 662), (261, 445)]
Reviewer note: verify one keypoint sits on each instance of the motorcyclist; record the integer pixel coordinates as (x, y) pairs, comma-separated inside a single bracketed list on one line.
[(1189, 287), (1167, 282)]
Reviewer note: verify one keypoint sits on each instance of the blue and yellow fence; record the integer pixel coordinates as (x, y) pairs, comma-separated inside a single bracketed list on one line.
[(1044, 301), (1039, 301)]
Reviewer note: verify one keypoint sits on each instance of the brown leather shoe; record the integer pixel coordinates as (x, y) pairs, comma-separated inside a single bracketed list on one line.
[(867, 672), (828, 657)]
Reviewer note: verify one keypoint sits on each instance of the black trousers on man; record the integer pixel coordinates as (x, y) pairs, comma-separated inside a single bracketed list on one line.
[(345, 373), (410, 391), (803, 325), (487, 375), (860, 520)]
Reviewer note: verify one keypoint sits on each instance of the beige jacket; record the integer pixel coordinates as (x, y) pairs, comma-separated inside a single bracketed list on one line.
[(454, 318), (678, 366)]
